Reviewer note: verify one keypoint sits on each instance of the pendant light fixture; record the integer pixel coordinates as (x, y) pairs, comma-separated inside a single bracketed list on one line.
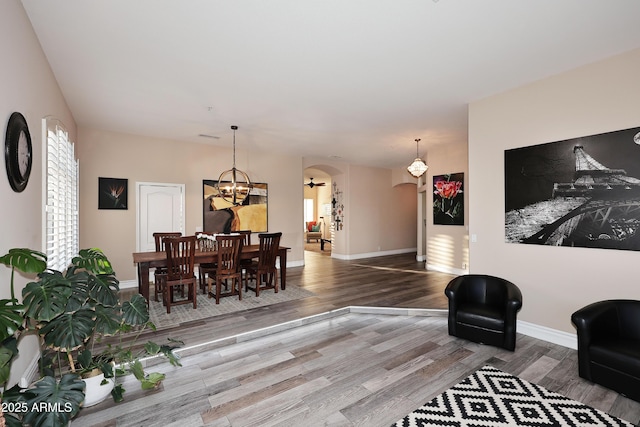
[(234, 185), (418, 167)]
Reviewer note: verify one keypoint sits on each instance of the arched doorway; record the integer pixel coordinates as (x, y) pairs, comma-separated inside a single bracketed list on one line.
[(317, 210)]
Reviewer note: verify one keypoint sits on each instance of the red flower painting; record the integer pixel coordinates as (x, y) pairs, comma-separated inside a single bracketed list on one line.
[(448, 189), (448, 200)]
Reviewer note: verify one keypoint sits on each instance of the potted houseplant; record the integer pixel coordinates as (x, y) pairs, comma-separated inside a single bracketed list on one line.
[(84, 327)]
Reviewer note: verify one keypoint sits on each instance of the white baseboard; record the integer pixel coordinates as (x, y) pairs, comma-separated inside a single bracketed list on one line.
[(294, 264), (128, 284), (373, 254), (446, 269), (554, 336)]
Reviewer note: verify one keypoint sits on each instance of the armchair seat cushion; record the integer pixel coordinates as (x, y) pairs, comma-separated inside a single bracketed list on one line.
[(485, 317), (619, 353)]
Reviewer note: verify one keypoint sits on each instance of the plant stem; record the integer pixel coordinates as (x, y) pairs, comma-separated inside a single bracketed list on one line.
[(13, 294), (71, 364)]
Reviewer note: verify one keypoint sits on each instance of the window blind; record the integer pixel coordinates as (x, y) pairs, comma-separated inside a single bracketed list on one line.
[(62, 235)]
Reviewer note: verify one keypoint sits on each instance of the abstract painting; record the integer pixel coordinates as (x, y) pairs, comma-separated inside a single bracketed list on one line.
[(221, 216)]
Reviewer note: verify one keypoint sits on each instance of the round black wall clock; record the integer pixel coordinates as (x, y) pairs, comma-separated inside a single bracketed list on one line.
[(18, 154)]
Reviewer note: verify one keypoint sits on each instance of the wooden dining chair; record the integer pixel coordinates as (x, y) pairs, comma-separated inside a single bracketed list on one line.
[(264, 270), (180, 270), (160, 273), (247, 236), (244, 263), (206, 270), (228, 267)]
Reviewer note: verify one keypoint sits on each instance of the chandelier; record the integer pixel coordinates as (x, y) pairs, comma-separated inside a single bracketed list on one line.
[(234, 185), (418, 167)]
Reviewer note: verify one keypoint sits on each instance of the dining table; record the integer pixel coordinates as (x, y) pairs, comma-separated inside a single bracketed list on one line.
[(147, 260)]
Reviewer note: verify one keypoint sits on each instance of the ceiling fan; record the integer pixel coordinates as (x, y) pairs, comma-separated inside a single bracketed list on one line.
[(312, 184)]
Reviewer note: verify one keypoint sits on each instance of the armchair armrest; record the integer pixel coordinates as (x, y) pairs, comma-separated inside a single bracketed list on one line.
[(599, 319), (594, 321), (514, 298)]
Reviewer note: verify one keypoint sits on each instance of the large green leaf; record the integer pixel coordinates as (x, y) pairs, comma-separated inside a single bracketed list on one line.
[(84, 359), (103, 289), (11, 313), (8, 350), (107, 320), (69, 330), (48, 394), (79, 288), (25, 260), (48, 297), (93, 260), (135, 312), (11, 317), (15, 398)]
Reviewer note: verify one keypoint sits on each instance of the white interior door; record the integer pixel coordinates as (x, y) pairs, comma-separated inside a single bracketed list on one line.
[(160, 208)]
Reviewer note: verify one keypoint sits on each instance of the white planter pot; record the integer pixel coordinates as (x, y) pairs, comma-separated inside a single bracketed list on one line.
[(95, 392)]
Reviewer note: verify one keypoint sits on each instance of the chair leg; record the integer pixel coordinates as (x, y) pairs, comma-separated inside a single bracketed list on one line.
[(158, 285), (239, 282), (166, 295), (247, 277), (275, 281), (194, 294)]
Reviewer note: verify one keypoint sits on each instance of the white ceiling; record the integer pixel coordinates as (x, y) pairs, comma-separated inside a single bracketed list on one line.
[(357, 79)]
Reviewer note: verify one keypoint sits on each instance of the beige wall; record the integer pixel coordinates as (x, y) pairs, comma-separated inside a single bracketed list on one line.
[(28, 86), (447, 245), (141, 159), (379, 217), (555, 281)]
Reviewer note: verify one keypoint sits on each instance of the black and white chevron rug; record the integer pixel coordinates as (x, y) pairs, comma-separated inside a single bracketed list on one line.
[(490, 397)]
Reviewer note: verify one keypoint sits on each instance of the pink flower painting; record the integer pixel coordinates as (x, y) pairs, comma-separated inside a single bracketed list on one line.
[(448, 199)]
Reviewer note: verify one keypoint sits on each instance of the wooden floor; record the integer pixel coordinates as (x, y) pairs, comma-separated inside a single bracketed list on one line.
[(355, 369)]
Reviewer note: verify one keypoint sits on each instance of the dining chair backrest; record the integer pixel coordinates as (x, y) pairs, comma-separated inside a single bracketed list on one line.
[(229, 248), (247, 236), (269, 244), (205, 241), (160, 236), (180, 256)]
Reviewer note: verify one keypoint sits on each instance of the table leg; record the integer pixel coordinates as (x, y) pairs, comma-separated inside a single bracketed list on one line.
[(143, 280), (283, 269)]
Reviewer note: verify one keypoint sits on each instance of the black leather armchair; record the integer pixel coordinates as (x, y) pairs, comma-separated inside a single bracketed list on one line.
[(609, 345), (483, 309)]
